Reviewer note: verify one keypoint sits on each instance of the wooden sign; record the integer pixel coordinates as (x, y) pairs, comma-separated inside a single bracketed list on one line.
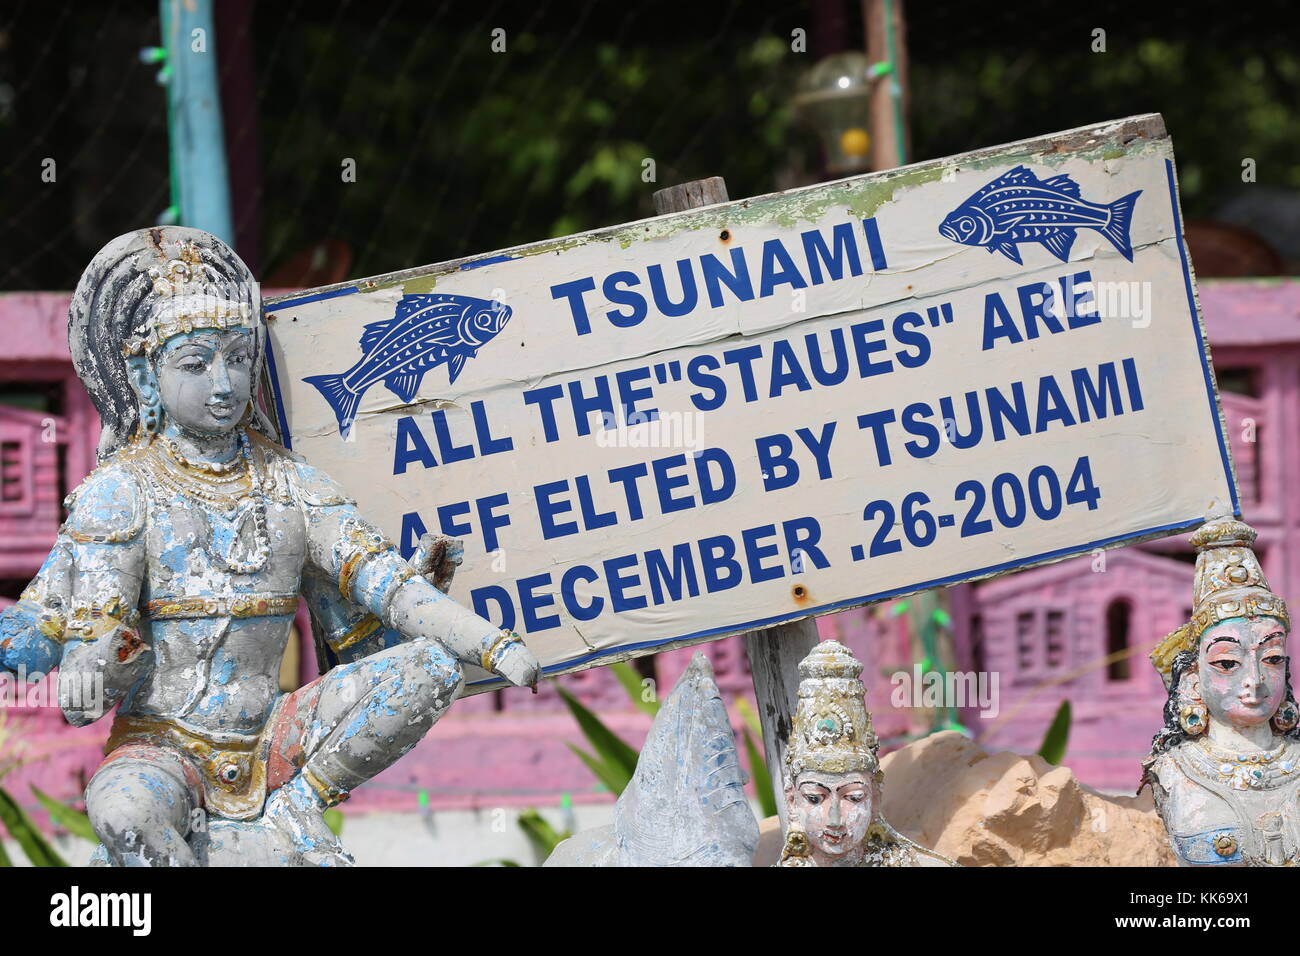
[(714, 421)]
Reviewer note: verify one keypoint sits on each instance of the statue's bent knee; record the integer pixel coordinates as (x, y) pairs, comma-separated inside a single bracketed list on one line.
[(436, 672), (426, 678), (139, 806)]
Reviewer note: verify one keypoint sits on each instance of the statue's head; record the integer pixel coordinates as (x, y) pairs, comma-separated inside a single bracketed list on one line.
[(166, 327), (1228, 664), (832, 773)]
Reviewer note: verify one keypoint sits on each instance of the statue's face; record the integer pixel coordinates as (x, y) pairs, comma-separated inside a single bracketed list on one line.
[(835, 810), (205, 379), (1242, 670)]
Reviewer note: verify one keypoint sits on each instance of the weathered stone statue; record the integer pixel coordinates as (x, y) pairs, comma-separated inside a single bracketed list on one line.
[(1225, 768), (833, 777), (173, 585), (685, 805)]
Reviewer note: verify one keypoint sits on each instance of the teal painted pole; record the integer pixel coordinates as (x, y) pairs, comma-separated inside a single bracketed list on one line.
[(200, 186)]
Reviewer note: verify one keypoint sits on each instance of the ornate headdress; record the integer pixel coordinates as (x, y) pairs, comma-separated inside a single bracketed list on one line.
[(1229, 583), (141, 289), (832, 728)]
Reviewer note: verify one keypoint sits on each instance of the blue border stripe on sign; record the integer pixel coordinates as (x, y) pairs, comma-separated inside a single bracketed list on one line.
[(1200, 346), (328, 294), (480, 263), (279, 399)]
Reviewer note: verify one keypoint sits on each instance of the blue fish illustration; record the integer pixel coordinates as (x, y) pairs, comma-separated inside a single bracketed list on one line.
[(1019, 207), (425, 331)]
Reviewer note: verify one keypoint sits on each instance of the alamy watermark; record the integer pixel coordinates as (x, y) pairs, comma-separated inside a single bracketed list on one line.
[(652, 430), (936, 689), (80, 692)]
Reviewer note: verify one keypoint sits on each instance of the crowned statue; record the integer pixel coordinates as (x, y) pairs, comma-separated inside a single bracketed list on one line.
[(1224, 766), (172, 586), (833, 777)]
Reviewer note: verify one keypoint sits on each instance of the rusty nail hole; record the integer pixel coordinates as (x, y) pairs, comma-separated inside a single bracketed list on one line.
[(799, 591), (725, 235)]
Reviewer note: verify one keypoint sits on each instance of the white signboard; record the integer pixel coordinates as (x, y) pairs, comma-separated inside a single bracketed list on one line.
[(686, 427)]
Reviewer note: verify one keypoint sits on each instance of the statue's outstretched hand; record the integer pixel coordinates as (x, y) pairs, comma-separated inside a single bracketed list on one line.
[(517, 664), (437, 558)]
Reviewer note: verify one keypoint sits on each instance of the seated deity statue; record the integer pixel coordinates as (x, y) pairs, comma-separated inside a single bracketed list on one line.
[(833, 778), (172, 587), (1225, 768)]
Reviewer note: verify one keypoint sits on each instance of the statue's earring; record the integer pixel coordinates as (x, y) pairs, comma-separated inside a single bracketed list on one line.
[(151, 418), (1192, 718), (1192, 715), (146, 389), (795, 851), (1286, 718)]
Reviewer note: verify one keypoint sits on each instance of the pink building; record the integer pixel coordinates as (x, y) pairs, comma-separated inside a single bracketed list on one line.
[(1054, 633)]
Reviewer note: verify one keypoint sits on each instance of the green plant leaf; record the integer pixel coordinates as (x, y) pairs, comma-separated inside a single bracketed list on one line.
[(500, 861), (750, 717), (615, 782), (334, 820), (4, 857), (762, 777), (544, 837), (23, 830), (609, 748), (634, 684), (1057, 737), (70, 818)]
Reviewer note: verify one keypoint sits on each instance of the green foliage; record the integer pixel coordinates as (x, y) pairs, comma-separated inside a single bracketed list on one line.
[(614, 761), (758, 769), (24, 831), (74, 821), (461, 150), (762, 778), (543, 837), (982, 81), (334, 820), (635, 685), (1057, 737)]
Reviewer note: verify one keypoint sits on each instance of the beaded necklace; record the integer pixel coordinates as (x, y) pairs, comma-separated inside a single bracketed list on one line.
[(1249, 770), (223, 486)]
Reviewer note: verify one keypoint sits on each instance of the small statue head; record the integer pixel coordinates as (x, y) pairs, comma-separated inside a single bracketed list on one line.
[(166, 329), (1229, 663), (832, 774)]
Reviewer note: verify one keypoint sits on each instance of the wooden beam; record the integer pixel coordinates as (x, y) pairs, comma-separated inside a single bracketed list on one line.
[(887, 43), (775, 652)]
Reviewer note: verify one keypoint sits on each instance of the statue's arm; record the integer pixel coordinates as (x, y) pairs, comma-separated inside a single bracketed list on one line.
[(370, 573), (103, 653), (346, 632), (31, 631)]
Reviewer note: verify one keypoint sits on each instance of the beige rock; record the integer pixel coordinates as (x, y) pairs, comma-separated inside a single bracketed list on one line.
[(1004, 809)]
